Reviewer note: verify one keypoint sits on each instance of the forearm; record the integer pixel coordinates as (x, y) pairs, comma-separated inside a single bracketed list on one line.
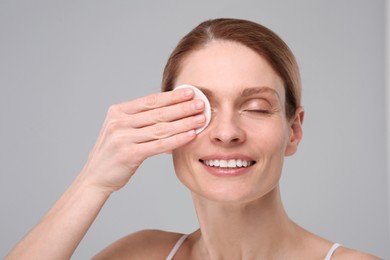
[(62, 228)]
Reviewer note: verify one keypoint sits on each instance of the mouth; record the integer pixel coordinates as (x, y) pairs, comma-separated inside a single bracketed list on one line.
[(228, 164)]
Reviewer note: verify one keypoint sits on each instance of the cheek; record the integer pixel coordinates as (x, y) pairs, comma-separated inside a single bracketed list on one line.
[(271, 137), (177, 157), (181, 161), (178, 164)]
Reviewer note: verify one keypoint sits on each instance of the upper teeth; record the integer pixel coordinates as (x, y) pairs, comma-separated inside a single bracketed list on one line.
[(228, 163)]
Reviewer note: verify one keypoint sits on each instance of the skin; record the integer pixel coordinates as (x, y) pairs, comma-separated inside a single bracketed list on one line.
[(248, 122)]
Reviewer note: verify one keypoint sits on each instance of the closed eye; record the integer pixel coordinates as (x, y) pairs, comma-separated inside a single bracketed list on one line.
[(258, 111), (257, 106)]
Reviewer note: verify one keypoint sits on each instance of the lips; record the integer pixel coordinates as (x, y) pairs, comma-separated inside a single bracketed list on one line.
[(227, 165), (227, 161), (231, 163)]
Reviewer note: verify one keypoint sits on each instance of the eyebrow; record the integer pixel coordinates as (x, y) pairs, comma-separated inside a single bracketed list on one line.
[(247, 92)]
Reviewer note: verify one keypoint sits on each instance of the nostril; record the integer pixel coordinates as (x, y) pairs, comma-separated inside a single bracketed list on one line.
[(226, 130), (227, 140)]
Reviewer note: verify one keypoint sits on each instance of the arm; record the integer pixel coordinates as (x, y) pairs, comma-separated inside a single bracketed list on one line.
[(132, 132), (63, 227)]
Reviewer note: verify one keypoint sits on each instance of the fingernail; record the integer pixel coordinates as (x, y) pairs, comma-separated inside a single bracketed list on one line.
[(188, 92), (191, 133), (199, 119), (198, 104)]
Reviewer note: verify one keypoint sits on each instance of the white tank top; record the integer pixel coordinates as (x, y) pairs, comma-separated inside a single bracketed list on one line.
[(183, 238)]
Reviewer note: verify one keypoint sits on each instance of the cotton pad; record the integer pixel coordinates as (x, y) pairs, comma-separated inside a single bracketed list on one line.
[(207, 109)]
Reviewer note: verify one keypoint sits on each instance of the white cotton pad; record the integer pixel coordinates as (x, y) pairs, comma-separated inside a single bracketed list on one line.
[(207, 109)]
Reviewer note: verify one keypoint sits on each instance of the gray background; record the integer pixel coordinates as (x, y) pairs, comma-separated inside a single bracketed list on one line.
[(63, 63)]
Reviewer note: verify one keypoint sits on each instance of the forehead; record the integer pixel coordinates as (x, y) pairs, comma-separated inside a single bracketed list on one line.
[(225, 66)]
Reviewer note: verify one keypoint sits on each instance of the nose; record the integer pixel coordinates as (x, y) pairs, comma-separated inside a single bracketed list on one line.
[(225, 130)]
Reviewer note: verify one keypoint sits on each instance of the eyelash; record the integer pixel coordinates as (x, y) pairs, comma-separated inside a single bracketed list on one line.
[(259, 111), (255, 111)]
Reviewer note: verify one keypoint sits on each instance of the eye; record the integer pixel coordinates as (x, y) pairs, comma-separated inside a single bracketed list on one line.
[(257, 106), (259, 111)]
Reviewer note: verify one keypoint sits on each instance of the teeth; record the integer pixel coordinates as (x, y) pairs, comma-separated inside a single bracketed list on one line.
[(228, 163)]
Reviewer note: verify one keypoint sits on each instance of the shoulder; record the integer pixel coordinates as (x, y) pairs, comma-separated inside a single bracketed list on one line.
[(317, 247), (145, 244), (344, 253)]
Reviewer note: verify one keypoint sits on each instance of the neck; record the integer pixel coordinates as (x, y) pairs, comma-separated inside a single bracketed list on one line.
[(237, 231)]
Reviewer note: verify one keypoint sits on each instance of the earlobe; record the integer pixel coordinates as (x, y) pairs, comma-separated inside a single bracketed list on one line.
[(296, 132)]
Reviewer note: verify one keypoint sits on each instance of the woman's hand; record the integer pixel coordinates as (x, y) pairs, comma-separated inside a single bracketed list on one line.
[(132, 132), (136, 130)]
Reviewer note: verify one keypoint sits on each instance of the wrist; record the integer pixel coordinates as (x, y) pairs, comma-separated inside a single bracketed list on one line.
[(88, 183)]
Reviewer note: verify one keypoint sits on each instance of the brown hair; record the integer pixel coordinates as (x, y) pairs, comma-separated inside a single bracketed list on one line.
[(256, 37)]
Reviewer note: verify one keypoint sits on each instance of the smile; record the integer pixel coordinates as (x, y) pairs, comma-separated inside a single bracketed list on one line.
[(233, 163)]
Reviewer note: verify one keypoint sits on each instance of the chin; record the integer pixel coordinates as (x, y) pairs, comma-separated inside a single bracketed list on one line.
[(231, 193)]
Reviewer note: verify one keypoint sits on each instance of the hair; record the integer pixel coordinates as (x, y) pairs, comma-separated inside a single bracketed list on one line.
[(250, 34)]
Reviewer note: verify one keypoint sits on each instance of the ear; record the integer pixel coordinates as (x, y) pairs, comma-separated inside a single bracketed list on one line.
[(296, 133)]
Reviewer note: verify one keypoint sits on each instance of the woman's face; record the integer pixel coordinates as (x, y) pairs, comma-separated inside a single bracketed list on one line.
[(239, 156)]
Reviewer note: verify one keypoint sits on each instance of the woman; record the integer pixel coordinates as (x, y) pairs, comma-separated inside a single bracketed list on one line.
[(232, 168)]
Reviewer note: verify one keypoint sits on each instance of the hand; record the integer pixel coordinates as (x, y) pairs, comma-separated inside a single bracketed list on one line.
[(136, 130)]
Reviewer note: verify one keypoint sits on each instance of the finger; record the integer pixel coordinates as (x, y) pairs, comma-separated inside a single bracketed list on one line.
[(167, 114), (164, 130), (167, 144), (156, 100)]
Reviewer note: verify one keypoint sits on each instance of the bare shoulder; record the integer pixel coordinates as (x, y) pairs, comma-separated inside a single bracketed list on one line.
[(347, 253), (145, 244)]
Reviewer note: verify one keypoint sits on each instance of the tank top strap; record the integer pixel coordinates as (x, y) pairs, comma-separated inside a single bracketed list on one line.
[(183, 238), (176, 247), (331, 251)]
